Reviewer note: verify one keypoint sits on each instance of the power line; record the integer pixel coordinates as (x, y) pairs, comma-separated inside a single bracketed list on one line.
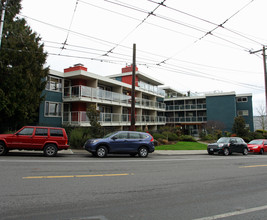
[(149, 14), (65, 42)]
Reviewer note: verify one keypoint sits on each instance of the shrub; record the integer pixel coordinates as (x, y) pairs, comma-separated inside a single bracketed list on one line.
[(209, 137), (187, 138), (162, 141), (158, 136), (170, 136), (78, 136)]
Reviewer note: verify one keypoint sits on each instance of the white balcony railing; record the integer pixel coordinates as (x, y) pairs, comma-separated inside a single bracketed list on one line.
[(78, 92), (186, 119), (185, 107), (108, 119)]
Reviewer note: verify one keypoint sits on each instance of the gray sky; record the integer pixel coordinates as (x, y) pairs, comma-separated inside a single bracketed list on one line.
[(181, 43)]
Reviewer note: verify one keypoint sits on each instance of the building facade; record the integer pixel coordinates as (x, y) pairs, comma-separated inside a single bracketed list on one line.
[(217, 110), (68, 94)]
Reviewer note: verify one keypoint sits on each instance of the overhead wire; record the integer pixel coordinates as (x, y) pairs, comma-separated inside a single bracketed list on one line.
[(65, 42), (102, 60), (127, 35)]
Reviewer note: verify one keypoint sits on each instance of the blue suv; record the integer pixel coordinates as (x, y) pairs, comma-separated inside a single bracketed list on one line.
[(121, 142)]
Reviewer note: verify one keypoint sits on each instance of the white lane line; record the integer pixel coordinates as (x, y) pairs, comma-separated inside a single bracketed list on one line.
[(241, 212)]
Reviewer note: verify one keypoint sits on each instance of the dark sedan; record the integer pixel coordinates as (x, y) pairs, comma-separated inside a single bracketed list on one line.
[(122, 142), (228, 145)]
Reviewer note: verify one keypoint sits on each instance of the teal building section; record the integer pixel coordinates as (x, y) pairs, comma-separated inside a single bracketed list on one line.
[(45, 120), (222, 109), (247, 106)]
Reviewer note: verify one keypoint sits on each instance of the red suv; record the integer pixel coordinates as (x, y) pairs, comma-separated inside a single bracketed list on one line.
[(48, 139)]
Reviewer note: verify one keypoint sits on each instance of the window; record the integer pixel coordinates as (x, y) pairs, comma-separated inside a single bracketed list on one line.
[(26, 131), (242, 99), (144, 136), (242, 113), (53, 109), (54, 84), (56, 132), (41, 132), (122, 135), (134, 136)]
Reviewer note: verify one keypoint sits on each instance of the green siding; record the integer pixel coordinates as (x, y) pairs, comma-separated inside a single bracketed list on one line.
[(50, 121), (247, 106), (223, 109)]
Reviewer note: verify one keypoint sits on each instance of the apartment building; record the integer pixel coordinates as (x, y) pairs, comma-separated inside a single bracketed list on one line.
[(69, 93), (195, 112)]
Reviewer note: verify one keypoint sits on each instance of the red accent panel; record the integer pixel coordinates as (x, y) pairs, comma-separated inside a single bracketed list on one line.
[(128, 80), (128, 69), (78, 107), (75, 68)]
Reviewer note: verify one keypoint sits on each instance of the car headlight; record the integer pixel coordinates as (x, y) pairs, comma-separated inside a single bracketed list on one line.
[(95, 141), (220, 145)]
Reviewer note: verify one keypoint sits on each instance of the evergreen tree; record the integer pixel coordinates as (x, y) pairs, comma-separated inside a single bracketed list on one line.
[(239, 127), (94, 116), (21, 71)]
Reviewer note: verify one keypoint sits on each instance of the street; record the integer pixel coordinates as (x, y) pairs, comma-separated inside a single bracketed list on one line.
[(80, 186)]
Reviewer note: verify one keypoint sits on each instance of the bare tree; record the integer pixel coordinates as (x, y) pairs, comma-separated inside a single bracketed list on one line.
[(261, 119)]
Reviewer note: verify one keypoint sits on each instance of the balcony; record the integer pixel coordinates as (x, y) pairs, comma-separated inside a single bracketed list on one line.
[(194, 119), (185, 107), (112, 119), (84, 93)]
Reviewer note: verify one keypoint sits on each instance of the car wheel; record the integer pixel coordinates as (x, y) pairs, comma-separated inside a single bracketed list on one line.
[(226, 151), (102, 151), (3, 149), (143, 152), (50, 150), (245, 151), (262, 151)]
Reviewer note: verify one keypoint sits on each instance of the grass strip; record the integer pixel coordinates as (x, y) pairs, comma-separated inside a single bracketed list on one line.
[(183, 145)]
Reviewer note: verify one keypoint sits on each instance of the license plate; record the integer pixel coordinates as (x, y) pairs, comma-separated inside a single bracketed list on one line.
[(211, 149)]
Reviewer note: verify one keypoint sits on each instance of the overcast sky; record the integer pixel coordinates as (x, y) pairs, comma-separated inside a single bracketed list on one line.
[(196, 45)]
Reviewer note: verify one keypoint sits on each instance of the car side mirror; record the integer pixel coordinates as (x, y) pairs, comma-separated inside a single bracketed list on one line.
[(114, 138)]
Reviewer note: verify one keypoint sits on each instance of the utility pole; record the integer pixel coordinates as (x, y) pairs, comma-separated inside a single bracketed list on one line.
[(265, 72), (2, 21), (132, 128)]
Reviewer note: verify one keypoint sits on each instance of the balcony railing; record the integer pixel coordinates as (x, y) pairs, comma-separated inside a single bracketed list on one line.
[(78, 92), (185, 107), (186, 119), (109, 119)]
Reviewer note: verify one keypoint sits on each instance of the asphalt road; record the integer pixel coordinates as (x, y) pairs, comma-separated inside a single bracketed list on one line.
[(80, 187)]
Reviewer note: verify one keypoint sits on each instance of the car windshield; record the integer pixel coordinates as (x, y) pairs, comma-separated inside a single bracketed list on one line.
[(110, 134), (223, 140), (255, 142)]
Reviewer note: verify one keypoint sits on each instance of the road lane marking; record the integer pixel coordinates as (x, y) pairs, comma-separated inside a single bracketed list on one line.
[(76, 176), (253, 166), (127, 160), (241, 212)]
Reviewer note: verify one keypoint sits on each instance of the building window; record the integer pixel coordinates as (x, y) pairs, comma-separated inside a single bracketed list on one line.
[(242, 99), (242, 113), (54, 84), (53, 109)]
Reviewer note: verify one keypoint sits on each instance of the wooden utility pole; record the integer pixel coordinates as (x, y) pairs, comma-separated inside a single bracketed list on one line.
[(132, 128), (4, 5), (265, 72)]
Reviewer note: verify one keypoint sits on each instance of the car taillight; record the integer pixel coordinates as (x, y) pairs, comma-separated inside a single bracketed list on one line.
[(152, 139)]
